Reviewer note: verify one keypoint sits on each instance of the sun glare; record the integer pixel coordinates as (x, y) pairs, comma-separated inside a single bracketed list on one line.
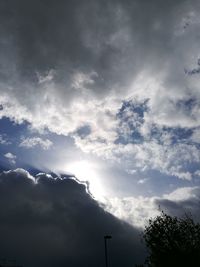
[(86, 171)]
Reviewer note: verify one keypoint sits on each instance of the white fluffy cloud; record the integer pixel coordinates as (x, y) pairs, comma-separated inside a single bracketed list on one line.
[(138, 210), (135, 211)]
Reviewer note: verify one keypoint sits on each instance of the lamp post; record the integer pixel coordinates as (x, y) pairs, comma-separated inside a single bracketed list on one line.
[(106, 237)]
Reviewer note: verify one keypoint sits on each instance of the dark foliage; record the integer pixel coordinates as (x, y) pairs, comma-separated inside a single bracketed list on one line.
[(172, 241)]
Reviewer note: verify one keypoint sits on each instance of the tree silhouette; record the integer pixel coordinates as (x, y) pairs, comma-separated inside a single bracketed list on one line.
[(172, 241)]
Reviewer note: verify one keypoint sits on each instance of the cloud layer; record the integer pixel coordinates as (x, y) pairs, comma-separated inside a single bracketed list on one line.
[(127, 71)]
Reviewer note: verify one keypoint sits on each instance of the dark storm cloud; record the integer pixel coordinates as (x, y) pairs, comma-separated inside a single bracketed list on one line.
[(114, 38), (45, 35), (56, 223)]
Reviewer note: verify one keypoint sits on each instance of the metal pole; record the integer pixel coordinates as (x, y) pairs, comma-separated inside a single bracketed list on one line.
[(106, 253), (106, 249)]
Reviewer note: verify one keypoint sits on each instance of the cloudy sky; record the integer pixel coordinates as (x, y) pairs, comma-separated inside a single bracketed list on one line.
[(99, 116)]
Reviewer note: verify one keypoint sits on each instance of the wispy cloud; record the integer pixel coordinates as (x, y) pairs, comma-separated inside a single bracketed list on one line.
[(4, 140), (36, 141), (10, 157)]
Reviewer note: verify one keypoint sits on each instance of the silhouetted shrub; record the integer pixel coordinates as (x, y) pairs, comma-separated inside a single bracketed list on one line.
[(172, 241)]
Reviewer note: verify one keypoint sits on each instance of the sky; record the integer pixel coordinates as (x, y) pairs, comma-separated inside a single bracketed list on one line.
[(99, 124)]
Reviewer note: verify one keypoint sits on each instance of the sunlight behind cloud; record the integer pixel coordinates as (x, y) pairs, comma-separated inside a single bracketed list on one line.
[(87, 171)]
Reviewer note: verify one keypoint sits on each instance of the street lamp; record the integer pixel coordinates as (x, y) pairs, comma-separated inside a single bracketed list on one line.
[(106, 237)]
